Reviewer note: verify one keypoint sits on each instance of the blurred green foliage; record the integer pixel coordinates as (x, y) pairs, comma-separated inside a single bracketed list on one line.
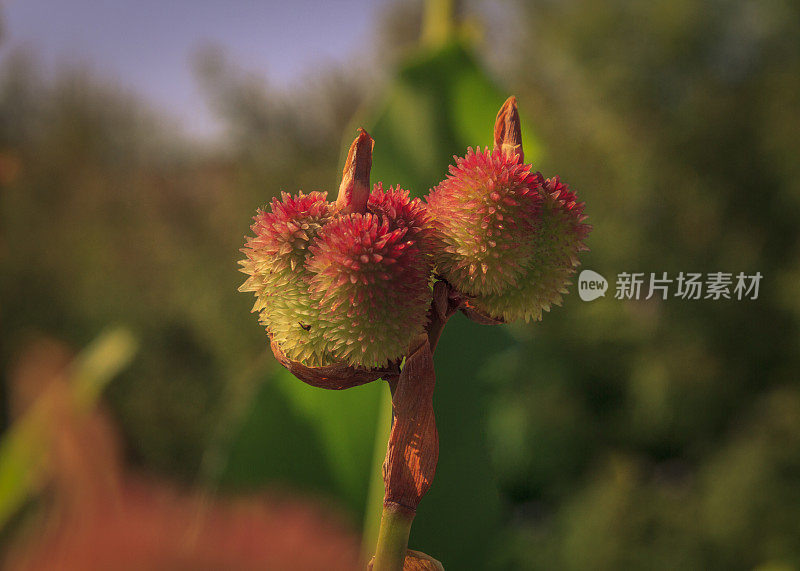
[(612, 435), (24, 447), (657, 435)]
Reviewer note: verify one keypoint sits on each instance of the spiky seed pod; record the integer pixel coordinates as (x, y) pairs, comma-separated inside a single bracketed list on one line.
[(485, 213), (556, 243), (283, 235), (343, 283), (402, 211), (275, 262), (372, 280), (509, 240)]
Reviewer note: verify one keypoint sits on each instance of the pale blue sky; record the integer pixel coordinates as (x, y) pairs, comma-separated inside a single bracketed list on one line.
[(147, 45)]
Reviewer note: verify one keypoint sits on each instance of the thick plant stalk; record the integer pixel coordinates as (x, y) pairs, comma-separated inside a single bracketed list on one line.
[(392, 538), (441, 309), (413, 449), (411, 456)]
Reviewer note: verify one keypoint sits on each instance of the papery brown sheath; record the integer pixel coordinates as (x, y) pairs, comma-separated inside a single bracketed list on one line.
[(333, 377), (413, 449), (508, 130)]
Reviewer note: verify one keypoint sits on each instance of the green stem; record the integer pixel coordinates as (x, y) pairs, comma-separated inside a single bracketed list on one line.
[(390, 555), (375, 492)]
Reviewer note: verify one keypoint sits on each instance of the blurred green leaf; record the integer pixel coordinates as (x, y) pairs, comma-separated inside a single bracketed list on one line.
[(273, 445), (440, 103), (24, 446), (100, 362), (306, 438)]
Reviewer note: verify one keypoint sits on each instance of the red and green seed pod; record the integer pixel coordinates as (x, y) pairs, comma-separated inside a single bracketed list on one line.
[(509, 240), (485, 213), (344, 282), (276, 264), (556, 243), (371, 276)]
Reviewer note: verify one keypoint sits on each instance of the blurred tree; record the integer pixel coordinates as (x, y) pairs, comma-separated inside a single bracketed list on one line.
[(670, 119), (105, 218)]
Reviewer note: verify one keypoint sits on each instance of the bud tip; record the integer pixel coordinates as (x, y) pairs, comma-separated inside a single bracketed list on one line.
[(507, 129), (354, 189)]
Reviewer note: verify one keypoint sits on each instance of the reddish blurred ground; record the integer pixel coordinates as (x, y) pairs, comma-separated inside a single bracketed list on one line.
[(93, 514)]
